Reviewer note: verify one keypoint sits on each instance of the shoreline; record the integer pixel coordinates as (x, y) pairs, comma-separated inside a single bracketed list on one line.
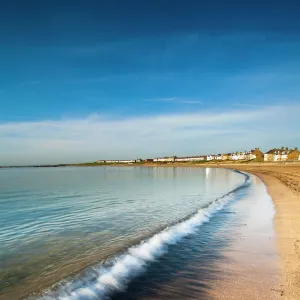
[(287, 226), (250, 264), (283, 185), (282, 180)]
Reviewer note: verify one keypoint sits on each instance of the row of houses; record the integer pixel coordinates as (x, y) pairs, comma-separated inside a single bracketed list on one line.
[(246, 155), (282, 154), (276, 154), (117, 161), (273, 155)]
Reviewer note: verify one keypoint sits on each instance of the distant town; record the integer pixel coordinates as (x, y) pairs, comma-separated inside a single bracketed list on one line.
[(283, 154), (273, 155)]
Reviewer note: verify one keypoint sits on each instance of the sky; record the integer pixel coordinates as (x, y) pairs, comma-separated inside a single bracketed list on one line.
[(88, 80)]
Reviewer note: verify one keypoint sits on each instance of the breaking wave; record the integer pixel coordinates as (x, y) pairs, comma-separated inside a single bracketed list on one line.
[(114, 275)]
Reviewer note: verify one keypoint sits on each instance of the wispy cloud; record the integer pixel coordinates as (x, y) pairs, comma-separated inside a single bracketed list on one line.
[(98, 137)]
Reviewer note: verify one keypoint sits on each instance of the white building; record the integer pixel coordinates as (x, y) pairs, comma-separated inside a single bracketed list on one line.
[(117, 161), (277, 154), (189, 158), (238, 156), (128, 161), (209, 157), (164, 159)]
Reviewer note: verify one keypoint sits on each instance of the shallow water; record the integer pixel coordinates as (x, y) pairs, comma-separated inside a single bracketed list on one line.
[(56, 222), (231, 257)]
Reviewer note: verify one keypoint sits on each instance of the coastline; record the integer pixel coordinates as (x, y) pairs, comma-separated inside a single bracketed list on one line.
[(282, 180), (283, 184)]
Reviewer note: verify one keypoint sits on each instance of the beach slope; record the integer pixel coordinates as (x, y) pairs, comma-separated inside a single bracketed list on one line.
[(283, 184)]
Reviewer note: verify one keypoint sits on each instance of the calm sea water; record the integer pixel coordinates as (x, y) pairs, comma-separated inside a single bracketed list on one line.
[(77, 224)]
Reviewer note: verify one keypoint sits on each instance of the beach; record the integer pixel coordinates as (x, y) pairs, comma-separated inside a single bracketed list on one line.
[(283, 184)]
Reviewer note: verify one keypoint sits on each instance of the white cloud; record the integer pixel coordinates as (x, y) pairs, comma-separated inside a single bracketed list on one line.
[(96, 137)]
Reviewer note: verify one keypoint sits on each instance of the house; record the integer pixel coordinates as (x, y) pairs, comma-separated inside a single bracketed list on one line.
[(113, 161), (226, 156), (218, 157), (189, 158), (272, 155), (255, 154), (101, 161), (164, 159), (212, 157), (126, 161), (181, 159), (149, 160), (209, 157), (277, 154), (242, 155), (234, 156), (294, 154)]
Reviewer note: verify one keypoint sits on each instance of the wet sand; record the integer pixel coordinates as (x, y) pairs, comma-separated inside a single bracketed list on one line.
[(283, 183), (250, 268)]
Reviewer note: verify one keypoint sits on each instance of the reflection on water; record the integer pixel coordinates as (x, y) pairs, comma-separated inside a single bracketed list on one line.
[(57, 221), (207, 172)]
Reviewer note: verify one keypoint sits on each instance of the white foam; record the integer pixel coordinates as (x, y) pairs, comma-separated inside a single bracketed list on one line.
[(129, 265)]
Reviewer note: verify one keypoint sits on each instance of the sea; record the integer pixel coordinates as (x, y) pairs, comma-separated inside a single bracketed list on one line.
[(110, 232)]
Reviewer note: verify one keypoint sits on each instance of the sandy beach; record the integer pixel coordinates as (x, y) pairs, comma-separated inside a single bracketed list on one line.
[(283, 184)]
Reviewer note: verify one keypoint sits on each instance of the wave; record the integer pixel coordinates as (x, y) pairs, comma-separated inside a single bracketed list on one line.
[(114, 275)]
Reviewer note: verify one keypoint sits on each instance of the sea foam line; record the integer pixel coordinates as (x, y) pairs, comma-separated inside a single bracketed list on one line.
[(129, 265)]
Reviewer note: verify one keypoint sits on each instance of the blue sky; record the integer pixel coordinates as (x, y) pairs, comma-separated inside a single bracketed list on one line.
[(85, 80)]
